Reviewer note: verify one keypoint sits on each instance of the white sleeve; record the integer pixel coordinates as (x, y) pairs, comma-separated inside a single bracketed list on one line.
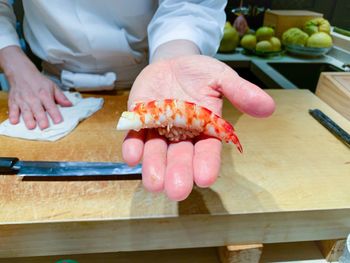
[(8, 34), (200, 21)]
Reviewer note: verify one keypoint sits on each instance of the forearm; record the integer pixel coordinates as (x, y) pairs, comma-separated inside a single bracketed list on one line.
[(12, 60), (8, 34), (175, 48), (195, 21)]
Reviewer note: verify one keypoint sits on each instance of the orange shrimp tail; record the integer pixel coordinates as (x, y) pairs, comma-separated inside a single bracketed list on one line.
[(239, 147), (235, 140)]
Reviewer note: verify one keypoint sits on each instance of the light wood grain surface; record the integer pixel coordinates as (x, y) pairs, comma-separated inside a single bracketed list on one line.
[(290, 184), (334, 89)]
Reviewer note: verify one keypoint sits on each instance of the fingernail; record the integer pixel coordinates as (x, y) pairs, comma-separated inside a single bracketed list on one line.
[(43, 125), (31, 125), (13, 120), (57, 120)]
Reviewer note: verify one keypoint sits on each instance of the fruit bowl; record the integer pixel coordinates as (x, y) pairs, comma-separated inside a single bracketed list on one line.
[(261, 53), (307, 51)]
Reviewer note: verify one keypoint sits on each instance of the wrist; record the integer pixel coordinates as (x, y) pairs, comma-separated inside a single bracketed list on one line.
[(13, 60), (173, 49)]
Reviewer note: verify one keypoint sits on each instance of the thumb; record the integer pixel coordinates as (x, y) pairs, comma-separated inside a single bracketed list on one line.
[(246, 96)]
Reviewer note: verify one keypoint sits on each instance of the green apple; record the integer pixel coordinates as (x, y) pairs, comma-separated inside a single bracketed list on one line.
[(264, 46), (230, 39), (320, 40), (318, 24), (248, 41), (264, 33), (276, 44), (294, 36)]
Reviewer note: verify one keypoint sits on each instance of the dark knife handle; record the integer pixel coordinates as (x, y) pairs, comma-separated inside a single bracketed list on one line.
[(7, 165), (329, 124)]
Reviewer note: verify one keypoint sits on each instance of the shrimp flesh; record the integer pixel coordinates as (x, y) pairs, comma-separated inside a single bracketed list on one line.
[(178, 120)]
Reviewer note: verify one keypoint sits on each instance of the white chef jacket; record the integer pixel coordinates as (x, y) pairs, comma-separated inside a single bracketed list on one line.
[(90, 36)]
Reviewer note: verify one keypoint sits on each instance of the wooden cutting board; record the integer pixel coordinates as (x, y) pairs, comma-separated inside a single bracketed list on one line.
[(334, 89), (290, 184)]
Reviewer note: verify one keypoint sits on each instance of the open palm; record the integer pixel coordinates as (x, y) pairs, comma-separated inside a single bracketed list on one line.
[(174, 167)]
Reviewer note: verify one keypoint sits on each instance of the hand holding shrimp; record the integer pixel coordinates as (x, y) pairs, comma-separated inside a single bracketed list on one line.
[(174, 166)]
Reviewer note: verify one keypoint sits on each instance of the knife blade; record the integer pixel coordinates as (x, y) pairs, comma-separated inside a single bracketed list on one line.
[(12, 165)]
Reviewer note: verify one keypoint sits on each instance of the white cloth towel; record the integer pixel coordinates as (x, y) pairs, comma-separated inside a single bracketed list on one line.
[(88, 82), (82, 108)]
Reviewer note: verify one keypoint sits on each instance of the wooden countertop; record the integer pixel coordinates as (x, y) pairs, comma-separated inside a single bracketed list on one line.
[(291, 184)]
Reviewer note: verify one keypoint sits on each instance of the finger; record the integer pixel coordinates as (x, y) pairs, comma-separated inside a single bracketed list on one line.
[(52, 110), (154, 162), (132, 147), (179, 170), (206, 161), (40, 115), (60, 98), (27, 116), (246, 96), (13, 113), (50, 106)]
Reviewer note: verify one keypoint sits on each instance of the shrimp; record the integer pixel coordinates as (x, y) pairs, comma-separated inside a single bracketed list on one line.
[(178, 120)]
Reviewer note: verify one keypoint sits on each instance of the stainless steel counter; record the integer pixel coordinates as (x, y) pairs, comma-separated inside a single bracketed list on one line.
[(271, 72)]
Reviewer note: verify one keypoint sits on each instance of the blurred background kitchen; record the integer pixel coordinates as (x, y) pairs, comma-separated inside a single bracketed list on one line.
[(335, 11), (257, 67)]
